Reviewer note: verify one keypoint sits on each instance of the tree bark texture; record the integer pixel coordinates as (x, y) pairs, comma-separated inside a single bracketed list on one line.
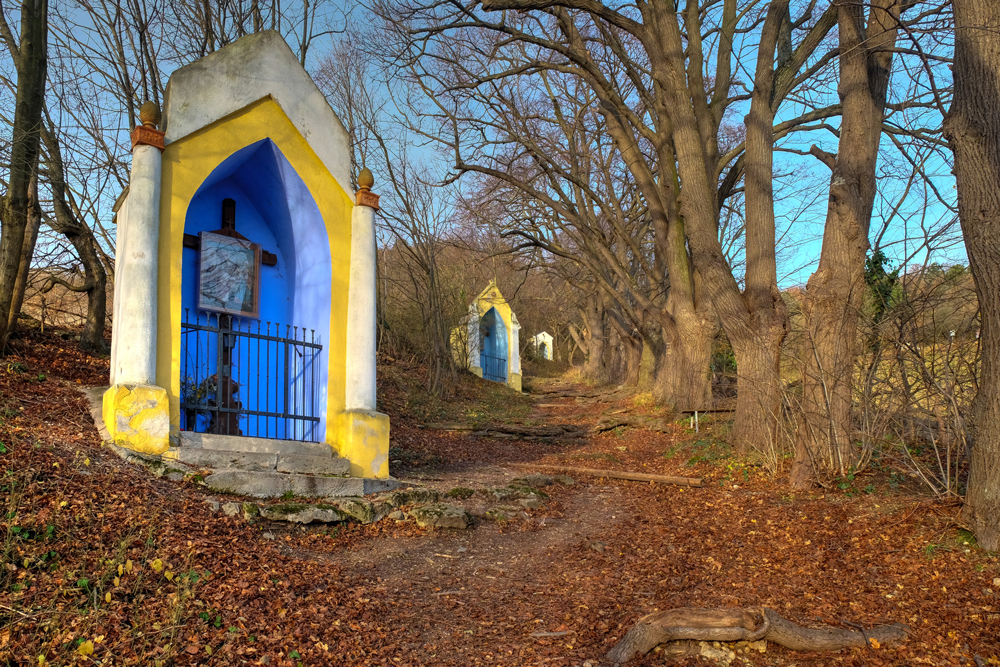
[(972, 127), (683, 376), (731, 625), (593, 317), (835, 292), (65, 221), (757, 332), (627, 351), (31, 62), (34, 223)]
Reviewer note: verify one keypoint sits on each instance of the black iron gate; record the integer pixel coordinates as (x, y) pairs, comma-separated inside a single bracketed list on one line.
[(246, 378)]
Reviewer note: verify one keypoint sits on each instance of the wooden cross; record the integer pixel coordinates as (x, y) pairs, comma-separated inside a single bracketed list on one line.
[(229, 229)]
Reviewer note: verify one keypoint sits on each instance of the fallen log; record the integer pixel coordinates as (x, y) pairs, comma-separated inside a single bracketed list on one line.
[(513, 431), (678, 627), (614, 474)]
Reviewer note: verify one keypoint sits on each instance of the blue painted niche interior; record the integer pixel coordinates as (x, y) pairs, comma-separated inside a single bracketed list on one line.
[(275, 209), (493, 346)]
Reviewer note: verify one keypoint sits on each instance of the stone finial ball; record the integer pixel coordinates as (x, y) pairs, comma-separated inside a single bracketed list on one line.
[(149, 114), (366, 179)]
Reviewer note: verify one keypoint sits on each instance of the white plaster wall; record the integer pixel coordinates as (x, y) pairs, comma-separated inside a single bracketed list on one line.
[(543, 338), (250, 69), (473, 339), (120, 243)]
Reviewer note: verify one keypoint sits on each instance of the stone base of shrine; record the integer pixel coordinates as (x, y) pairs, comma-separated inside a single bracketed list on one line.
[(363, 439), (477, 371), (514, 381), (137, 417)]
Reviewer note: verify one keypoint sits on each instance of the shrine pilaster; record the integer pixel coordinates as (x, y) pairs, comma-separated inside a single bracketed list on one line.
[(136, 411)]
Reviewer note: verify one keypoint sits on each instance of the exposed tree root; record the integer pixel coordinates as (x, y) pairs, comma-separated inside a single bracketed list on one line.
[(562, 433), (730, 625), (613, 474), (612, 422)]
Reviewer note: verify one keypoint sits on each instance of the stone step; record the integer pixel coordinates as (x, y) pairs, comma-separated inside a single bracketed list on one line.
[(313, 465), (217, 458), (252, 461), (276, 484), (239, 443)]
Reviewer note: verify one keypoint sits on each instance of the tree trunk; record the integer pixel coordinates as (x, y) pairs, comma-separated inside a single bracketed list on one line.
[(31, 63), (593, 315), (758, 373), (96, 283), (629, 352), (835, 292), (27, 251), (632, 356), (757, 324), (683, 377), (65, 222), (973, 130)]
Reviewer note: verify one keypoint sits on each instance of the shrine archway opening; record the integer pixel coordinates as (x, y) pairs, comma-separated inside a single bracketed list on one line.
[(493, 346), (255, 298)]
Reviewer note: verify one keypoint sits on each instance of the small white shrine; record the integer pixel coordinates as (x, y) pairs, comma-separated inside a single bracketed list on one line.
[(542, 345), (487, 341)]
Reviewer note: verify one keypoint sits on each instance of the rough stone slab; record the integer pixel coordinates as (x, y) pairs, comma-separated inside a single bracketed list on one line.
[(216, 458), (300, 513), (535, 480), (95, 403), (359, 509), (380, 485), (315, 465), (504, 495), (440, 515), (276, 484), (403, 497), (238, 443)]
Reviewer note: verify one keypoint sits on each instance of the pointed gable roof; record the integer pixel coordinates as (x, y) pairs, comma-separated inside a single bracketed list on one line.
[(252, 68)]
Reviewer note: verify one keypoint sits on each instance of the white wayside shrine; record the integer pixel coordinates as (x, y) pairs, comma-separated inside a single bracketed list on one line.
[(542, 345), (487, 342), (244, 328)]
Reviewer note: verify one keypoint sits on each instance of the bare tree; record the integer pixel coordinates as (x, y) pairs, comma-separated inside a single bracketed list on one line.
[(836, 290), (646, 66), (30, 55), (414, 211), (973, 130)]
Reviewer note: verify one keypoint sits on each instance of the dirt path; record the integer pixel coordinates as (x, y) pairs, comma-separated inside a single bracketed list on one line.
[(561, 586)]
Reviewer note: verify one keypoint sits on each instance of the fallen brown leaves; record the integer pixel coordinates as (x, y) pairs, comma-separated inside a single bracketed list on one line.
[(103, 564)]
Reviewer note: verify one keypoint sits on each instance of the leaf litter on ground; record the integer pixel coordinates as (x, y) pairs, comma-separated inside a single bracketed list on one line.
[(89, 542)]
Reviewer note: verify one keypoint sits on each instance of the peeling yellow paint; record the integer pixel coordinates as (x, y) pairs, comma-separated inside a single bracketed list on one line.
[(364, 439), (137, 417)]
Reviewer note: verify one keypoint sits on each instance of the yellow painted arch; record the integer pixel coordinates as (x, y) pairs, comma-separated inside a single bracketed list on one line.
[(190, 160)]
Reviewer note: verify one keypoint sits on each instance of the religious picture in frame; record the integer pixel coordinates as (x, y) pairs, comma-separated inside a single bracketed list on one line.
[(229, 275)]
